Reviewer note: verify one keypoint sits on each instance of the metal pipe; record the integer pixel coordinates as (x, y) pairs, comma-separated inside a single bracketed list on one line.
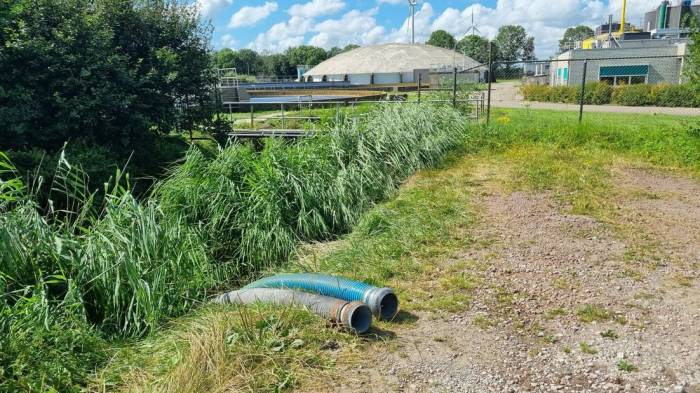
[(353, 316), (382, 301), (622, 20), (454, 89), (583, 92), (488, 103)]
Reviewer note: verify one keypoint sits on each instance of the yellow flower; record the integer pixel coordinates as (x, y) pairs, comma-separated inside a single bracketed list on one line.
[(503, 120)]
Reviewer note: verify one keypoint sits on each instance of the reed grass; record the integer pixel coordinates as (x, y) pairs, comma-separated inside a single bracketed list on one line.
[(79, 272)]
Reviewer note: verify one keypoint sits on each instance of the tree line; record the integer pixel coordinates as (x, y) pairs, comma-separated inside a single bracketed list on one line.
[(250, 62), (512, 43)]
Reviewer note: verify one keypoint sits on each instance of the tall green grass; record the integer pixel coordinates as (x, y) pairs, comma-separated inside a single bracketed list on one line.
[(86, 272), (255, 207)]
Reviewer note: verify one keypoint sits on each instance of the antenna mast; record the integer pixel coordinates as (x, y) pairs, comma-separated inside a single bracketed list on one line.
[(412, 11)]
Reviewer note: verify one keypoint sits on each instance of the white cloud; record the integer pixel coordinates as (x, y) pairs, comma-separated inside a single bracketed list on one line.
[(248, 16), (316, 8), (207, 8), (283, 35), (543, 19), (227, 41), (356, 27), (424, 17)]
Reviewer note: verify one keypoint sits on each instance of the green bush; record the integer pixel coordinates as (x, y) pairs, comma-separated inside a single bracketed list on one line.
[(541, 93), (601, 93), (675, 95), (598, 93), (632, 95)]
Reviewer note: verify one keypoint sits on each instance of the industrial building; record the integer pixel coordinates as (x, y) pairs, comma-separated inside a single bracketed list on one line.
[(391, 64), (621, 53), (669, 20)]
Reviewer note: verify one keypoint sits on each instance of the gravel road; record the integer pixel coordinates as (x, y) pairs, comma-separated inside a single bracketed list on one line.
[(569, 304)]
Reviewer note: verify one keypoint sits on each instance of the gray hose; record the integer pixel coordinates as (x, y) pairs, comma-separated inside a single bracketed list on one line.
[(354, 316)]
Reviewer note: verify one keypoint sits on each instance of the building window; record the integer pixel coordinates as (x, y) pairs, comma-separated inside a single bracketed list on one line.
[(624, 75)]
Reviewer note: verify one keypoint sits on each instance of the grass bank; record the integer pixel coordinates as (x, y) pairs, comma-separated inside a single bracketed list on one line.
[(80, 278), (406, 242)]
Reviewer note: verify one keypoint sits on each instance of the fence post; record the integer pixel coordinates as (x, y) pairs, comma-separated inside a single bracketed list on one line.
[(419, 80), (583, 91), (488, 95), (282, 110), (454, 89), (252, 116)]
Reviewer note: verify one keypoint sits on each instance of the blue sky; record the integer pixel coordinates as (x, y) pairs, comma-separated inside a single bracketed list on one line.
[(274, 25)]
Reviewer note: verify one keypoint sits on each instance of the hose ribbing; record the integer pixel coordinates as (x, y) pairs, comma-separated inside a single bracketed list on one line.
[(354, 316), (382, 301)]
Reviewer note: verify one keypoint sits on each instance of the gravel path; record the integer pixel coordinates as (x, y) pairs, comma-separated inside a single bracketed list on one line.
[(568, 304)]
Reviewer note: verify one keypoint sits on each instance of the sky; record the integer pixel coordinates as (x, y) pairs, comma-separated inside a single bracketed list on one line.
[(273, 25)]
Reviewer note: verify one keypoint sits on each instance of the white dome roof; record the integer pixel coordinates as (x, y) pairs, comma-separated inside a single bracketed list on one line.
[(391, 58)]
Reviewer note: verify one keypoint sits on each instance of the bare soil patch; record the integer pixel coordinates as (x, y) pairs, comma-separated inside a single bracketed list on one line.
[(567, 303)]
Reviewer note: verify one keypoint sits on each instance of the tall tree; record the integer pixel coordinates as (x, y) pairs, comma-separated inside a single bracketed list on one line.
[(248, 62), (514, 43), (226, 58), (107, 72), (475, 47), (574, 34), (442, 39), (277, 64), (306, 55)]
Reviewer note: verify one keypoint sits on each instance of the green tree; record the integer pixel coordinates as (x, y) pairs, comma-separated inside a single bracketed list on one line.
[(103, 72), (514, 43), (574, 34), (226, 58), (248, 62), (442, 39), (278, 64), (333, 51), (475, 47), (305, 55)]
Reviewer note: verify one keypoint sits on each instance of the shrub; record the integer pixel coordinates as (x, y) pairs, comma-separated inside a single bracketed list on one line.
[(632, 95), (674, 95), (541, 93), (565, 94), (598, 93)]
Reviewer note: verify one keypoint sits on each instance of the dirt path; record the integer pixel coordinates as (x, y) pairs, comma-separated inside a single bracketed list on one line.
[(567, 303)]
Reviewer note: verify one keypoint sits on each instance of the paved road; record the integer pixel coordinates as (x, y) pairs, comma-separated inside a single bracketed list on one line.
[(507, 95)]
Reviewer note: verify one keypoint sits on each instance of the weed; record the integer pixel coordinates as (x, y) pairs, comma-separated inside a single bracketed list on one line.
[(566, 349), (483, 322), (611, 334), (587, 349), (626, 366), (555, 312), (594, 313), (684, 281)]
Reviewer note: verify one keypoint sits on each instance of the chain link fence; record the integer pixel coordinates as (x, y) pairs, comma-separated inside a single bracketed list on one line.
[(593, 83)]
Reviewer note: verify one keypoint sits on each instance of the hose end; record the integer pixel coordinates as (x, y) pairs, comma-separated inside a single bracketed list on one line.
[(356, 316), (383, 302)]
